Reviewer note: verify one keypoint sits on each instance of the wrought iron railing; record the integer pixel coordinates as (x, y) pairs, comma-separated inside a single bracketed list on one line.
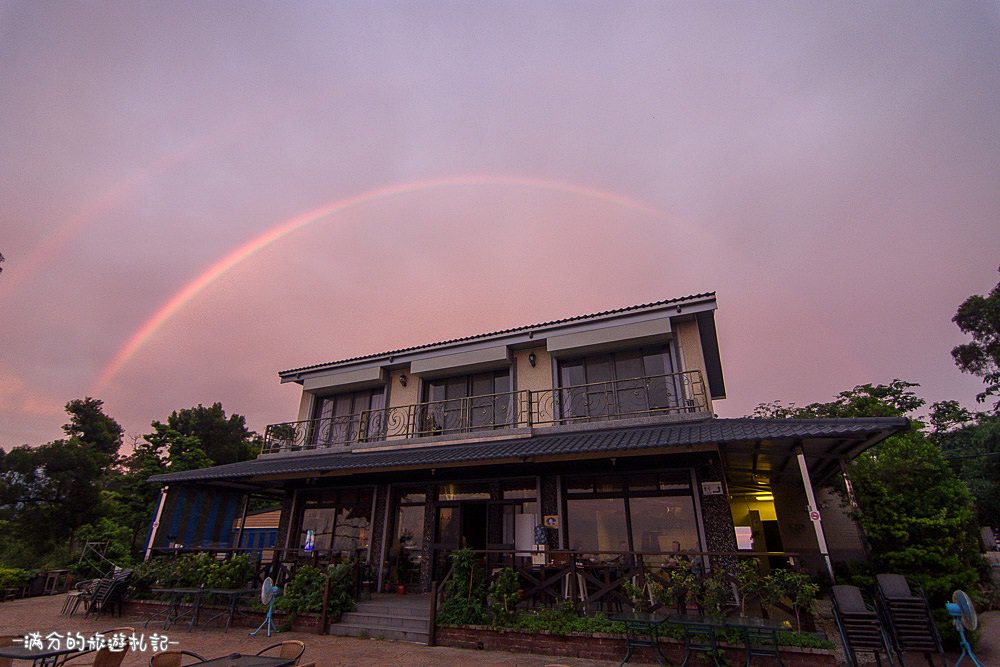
[(675, 393)]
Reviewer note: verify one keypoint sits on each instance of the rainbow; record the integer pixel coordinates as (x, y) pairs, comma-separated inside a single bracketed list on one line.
[(283, 229)]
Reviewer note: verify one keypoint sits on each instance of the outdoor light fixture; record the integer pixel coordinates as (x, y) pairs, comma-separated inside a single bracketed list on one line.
[(402, 379), (531, 359)]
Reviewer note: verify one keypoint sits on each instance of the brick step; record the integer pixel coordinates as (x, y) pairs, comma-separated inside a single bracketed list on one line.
[(381, 621), (351, 630)]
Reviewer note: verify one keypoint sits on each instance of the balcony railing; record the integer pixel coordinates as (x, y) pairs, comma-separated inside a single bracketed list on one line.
[(675, 393)]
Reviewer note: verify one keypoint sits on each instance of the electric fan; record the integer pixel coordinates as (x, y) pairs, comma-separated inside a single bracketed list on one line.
[(963, 612), (268, 591)]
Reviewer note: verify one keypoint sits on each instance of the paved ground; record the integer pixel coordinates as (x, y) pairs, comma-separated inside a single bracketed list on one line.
[(41, 614)]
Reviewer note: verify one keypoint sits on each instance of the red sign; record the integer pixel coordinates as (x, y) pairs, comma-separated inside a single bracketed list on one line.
[(814, 516)]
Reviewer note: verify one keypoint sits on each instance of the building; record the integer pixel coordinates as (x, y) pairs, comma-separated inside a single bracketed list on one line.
[(593, 436)]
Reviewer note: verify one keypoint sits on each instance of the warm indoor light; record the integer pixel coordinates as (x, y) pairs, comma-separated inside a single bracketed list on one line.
[(764, 496)]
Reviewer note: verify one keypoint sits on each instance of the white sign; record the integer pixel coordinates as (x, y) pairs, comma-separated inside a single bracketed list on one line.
[(711, 488), (814, 516)]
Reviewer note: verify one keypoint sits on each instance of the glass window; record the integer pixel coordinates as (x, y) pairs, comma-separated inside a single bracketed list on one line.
[(468, 402), (647, 512), (345, 418), (617, 384), (338, 522)]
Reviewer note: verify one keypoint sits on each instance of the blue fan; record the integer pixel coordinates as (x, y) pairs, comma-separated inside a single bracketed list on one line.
[(963, 612), (268, 591)]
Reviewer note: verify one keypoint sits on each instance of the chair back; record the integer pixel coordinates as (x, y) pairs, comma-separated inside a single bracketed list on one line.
[(7, 640), (173, 658), (290, 648)]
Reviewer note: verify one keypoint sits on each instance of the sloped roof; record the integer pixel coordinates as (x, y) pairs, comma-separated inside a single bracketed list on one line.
[(828, 441), (502, 332)]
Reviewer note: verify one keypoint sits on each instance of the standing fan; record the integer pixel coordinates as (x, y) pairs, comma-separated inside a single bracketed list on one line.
[(268, 591), (963, 612)]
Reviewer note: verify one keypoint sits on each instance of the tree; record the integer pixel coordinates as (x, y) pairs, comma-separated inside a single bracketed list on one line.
[(970, 442), (221, 439), (1, 262), (979, 316), (89, 424)]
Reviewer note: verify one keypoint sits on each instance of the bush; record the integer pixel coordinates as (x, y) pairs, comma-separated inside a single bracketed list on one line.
[(304, 592), (465, 592)]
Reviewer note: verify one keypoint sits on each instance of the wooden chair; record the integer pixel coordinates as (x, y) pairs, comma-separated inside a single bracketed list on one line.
[(173, 658), (7, 640), (290, 648), (103, 657)]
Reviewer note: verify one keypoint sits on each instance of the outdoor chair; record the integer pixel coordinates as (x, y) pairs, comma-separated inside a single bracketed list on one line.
[(290, 648), (7, 640), (907, 616), (103, 657), (860, 627), (761, 642), (81, 593), (700, 638), (174, 658), (109, 593)]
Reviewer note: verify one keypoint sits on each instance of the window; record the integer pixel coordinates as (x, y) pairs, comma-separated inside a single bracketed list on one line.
[(617, 384), (650, 513), (467, 403), (345, 418), (337, 523)]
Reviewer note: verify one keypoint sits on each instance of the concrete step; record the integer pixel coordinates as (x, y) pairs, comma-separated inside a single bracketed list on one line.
[(343, 629), (389, 610), (383, 621)]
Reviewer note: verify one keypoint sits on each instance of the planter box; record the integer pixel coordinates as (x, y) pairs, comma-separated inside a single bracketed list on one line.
[(247, 618), (600, 646)]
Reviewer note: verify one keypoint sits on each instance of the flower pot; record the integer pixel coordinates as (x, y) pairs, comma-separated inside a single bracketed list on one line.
[(401, 589)]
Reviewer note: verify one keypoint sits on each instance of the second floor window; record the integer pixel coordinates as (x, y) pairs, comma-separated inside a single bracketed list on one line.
[(617, 384), (467, 403), (349, 417)]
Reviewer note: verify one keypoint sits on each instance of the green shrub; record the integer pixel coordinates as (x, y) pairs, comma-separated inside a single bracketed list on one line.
[(465, 592), (304, 592)]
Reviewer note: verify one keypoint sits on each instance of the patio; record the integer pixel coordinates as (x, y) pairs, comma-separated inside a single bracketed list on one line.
[(41, 614)]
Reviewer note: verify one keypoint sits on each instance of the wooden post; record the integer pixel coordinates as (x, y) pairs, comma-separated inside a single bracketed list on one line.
[(432, 621), (323, 621)]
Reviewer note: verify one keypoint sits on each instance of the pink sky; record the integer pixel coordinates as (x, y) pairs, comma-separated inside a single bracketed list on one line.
[(196, 195)]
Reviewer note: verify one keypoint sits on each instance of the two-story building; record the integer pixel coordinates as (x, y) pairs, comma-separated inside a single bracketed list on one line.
[(594, 435)]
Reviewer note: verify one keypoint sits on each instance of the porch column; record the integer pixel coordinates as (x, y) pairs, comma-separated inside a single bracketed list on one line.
[(156, 522), (243, 523), (813, 510)]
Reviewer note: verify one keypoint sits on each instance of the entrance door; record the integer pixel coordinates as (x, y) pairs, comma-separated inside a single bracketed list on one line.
[(458, 525)]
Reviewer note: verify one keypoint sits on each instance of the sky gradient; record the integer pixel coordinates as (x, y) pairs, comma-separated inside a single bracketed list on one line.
[(196, 195)]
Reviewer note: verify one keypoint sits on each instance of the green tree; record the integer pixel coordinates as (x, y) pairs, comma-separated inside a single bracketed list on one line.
[(979, 316), (88, 424), (221, 439), (970, 441)]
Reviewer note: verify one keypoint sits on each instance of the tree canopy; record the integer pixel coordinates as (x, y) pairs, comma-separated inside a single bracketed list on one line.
[(979, 316)]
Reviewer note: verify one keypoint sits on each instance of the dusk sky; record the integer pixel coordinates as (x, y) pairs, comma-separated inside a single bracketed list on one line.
[(197, 195)]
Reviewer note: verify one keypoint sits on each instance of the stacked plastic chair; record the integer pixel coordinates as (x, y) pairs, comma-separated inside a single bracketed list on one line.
[(907, 615), (860, 626)]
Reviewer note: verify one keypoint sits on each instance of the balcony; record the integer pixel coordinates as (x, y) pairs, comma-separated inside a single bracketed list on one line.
[(652, 396)]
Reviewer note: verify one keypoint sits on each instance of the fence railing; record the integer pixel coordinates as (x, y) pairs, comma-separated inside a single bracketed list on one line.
[(674, 393)]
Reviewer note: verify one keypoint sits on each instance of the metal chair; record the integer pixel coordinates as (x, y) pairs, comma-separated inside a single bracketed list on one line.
[(700, 638), (290, 648), (174, 658), (761, 642), (81, 594), (908, 617)]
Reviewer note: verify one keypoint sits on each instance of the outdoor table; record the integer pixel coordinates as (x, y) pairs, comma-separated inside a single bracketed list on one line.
[(642, 629), (175, 610), (38, 656), (232, 597), (237, 660)]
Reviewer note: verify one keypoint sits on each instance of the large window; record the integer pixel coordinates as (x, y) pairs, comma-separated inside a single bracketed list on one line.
[(617, 384), (650, 512), (337, 523), (345, 418), (467, 403)]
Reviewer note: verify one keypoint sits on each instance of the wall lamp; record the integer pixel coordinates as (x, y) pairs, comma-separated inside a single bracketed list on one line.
[(402, 379), (531, 359)]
